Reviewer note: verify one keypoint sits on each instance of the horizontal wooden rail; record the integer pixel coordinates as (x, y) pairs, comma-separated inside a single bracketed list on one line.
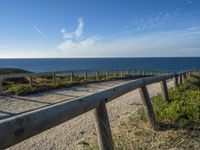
[(71, 73), (18, 128), (18, 75)]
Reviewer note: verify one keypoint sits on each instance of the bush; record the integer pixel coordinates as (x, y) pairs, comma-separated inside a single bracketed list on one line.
[(20, 89), (183, 110), (26, 89)]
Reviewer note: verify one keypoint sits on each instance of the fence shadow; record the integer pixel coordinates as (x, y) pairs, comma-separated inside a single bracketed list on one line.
[(6, 114), (26, 99), (170, 126)]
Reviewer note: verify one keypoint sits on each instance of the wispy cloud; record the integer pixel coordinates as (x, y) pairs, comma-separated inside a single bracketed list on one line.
[(79, 30), (187, 1), (73, 43), (38, 30), (155, 21), (183, 42), (76, 34)]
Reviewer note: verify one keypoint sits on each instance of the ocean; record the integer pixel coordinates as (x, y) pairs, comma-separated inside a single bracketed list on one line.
[(173, 64)]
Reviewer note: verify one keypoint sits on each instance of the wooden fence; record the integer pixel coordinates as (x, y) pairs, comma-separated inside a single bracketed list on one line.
[(84, 73), (18, 128)]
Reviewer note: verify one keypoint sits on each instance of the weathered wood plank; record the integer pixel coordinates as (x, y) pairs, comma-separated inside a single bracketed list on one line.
[(121, 73), (148, 107), (132, 72), (184, 76), (164, 90), (71, 76), (180, 79), (85, 75), (103, 127), (54, 79), (107, 76), (114, 73), (97, 75), (175, 80), (30, 81)]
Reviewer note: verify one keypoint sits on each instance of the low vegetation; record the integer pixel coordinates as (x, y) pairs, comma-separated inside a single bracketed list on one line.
[(25, 89), (183, 110), (12, 70), (40, 84)]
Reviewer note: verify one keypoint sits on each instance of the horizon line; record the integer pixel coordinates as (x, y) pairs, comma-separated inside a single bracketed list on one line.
[(101, 57)]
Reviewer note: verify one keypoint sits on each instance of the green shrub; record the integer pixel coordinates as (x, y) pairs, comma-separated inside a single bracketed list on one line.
[(20, 89), (25, 89), (182, 110)]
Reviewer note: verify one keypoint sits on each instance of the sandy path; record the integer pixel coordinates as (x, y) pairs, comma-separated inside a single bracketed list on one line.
[(12, 105), (67, 134)]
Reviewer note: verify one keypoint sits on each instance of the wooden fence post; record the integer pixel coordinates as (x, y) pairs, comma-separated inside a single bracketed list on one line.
[(138, 72), (107, 74), (54, 79), (187, 75), (97, 75), (31, 81), (1, 85), (71, 76), (184, 78), (181, 79), (103, 127), (127, 72), (143, 72), (164, 90), (114, 73), (85, 75), (132, 72), (148, 107), (175, 79), (121, 73)]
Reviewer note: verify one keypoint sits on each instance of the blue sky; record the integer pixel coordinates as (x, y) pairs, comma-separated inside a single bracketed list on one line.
[(99, 28)]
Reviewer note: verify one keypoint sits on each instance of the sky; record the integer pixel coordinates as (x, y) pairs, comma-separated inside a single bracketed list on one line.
[(99, 28)]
